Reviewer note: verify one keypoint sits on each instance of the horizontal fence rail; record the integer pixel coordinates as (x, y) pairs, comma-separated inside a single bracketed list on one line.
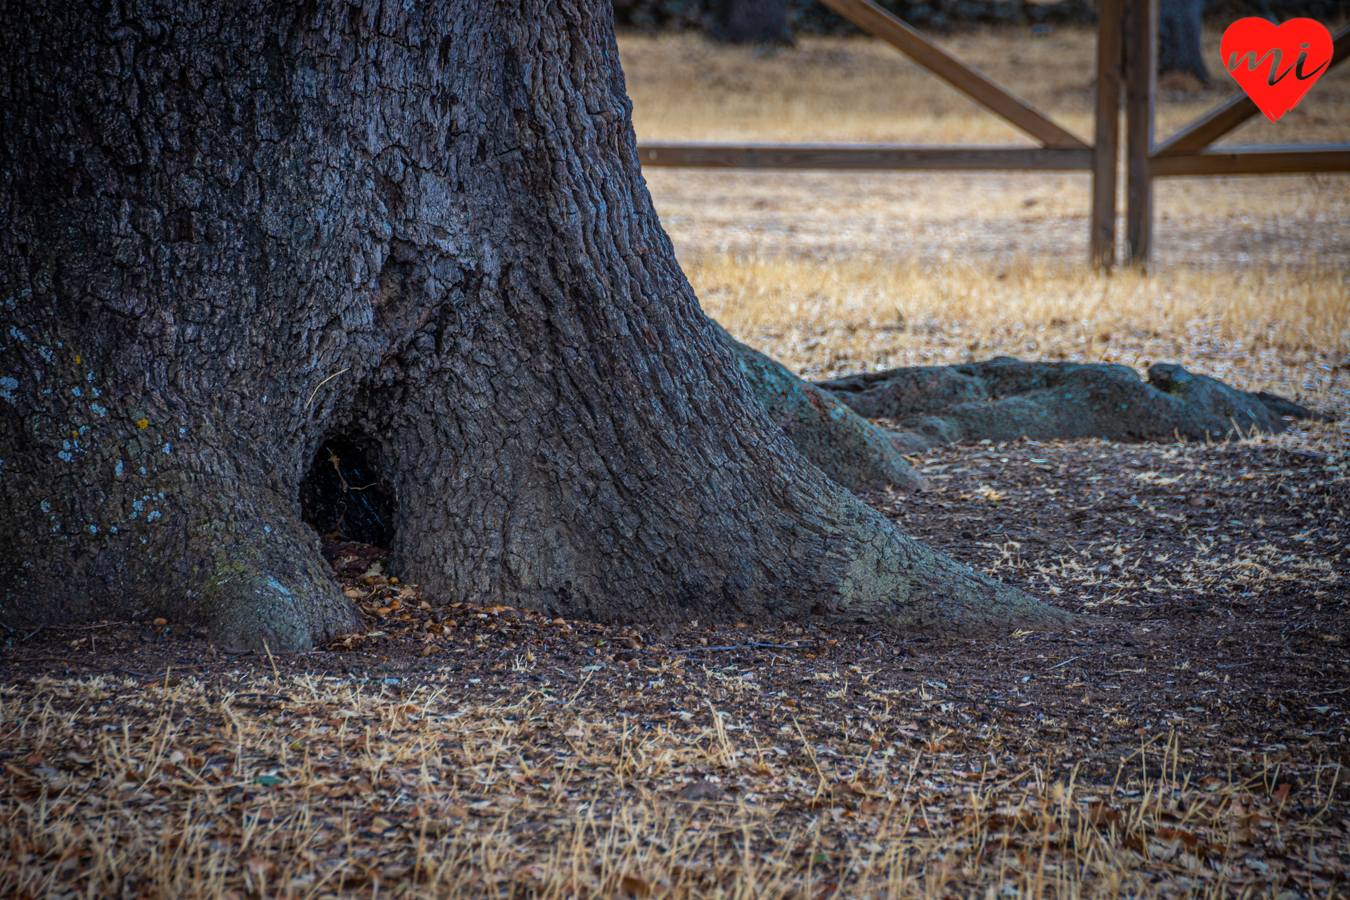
[(862, 156), (1256, 159)]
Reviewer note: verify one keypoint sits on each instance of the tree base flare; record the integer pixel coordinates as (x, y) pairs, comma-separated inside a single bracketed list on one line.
[(444, 319), (275, 597), (845, 446)]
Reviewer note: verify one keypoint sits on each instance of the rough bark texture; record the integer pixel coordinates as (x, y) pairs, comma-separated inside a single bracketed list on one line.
[(1004, 399), (1179, 38), (845, 446), (234, 232), (751, 22)]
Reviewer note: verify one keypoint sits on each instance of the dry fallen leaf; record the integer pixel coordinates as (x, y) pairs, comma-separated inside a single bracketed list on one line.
[(258, 867), (701, 790), (634, 886)]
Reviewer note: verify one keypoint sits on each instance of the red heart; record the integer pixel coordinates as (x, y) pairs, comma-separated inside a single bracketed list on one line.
[(1276, 65)]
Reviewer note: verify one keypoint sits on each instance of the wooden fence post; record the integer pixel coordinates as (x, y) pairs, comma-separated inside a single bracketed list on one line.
[(1127, 51), (1141, 75), (1106, 146)]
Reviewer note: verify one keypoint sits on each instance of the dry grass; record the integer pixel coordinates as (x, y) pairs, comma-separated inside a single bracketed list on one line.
[(838, 89), (993, 220), (1281, 330), (321, 787)]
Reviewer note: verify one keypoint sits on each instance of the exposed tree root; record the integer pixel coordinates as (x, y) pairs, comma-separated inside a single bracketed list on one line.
[(845, 446), (1005, 399)]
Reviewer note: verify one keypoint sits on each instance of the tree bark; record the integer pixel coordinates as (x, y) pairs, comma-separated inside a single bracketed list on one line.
[(751, 22), (845, 446), (235, 232), (1179, 39)]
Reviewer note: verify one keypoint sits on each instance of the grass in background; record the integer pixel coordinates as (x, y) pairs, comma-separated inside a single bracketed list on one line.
[(1282, 331), (1071, 313), (861, 89)]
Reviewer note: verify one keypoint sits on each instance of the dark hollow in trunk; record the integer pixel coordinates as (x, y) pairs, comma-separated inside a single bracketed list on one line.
[(344, 497), (751, 22), (232, 233), (1179, 39)]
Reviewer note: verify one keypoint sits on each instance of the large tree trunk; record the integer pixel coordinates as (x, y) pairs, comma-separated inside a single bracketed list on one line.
[(234, 232), (751, 21), (1179, 39)]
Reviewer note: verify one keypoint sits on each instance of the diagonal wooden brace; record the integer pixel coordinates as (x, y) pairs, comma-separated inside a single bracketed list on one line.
[(878, 22), (1213, 125)]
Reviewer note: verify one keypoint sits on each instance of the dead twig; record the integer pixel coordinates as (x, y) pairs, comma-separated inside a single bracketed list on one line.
[(753, 645), (167, 670), (67, 628), (322, 383)]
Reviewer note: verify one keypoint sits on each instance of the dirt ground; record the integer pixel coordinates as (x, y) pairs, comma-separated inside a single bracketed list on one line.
[(1214, 582), (1188, 737), (998, 219)]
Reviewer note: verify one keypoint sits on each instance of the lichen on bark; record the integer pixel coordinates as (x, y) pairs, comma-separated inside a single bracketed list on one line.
[(845, 446)]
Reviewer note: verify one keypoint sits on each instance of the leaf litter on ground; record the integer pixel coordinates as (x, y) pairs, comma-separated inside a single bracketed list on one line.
[(1188, 739)]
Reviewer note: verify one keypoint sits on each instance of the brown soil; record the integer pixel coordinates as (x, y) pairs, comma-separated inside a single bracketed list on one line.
[(1216, 578), (1216, 641)]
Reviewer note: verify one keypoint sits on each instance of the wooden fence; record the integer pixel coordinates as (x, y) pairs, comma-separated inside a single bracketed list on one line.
[(1127, 46)]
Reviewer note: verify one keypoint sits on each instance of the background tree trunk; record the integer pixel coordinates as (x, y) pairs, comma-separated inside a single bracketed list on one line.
[(1179, 39), (751, 21), (235, 232)]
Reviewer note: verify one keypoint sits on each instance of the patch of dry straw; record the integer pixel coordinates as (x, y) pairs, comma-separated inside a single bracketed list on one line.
[(1281, 330), (317, 788)]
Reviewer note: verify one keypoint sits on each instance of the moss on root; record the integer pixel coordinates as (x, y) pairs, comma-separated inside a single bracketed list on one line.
[(264, 595)]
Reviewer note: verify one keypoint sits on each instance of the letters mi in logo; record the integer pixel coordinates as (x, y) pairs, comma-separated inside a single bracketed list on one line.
[(1276, 65)]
